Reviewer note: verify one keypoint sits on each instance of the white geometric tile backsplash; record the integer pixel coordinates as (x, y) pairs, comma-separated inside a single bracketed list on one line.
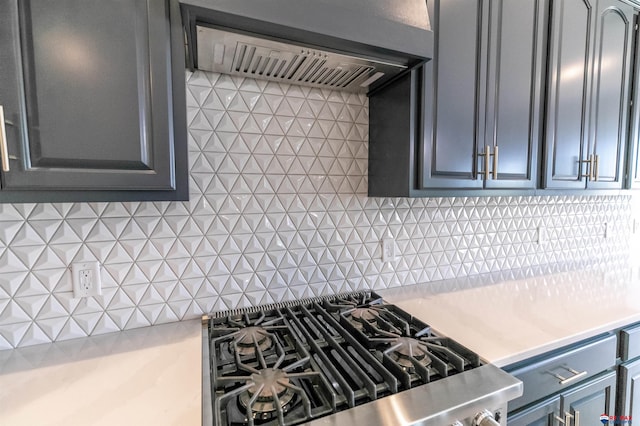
[(278, 211)]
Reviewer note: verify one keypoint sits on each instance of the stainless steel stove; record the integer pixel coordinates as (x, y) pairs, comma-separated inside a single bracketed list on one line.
[(348, 359)]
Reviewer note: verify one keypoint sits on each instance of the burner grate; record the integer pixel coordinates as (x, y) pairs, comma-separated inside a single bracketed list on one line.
[(291, 363)]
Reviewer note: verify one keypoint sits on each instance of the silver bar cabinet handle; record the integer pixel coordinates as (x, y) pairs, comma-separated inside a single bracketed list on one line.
[(495, 162), (589, 162), (559, 419), (576, 375), (568, 417), (4, 152)]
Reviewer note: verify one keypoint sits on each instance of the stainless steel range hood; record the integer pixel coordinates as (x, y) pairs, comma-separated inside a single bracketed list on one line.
[(353, 45)]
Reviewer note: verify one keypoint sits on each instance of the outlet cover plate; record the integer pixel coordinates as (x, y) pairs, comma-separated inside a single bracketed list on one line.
[(86, 279), (388, 250)]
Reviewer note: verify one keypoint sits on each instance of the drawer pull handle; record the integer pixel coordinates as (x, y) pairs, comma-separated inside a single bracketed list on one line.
[(559, 419), (576, 375), (577, 417)]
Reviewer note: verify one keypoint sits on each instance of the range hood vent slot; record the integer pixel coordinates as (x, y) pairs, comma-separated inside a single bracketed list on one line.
[(248, 56), (308, 67)]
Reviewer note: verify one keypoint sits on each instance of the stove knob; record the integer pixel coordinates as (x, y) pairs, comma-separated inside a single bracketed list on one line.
[(485, 418)]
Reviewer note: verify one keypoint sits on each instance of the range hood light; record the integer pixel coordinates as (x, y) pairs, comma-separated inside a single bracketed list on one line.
[(371, 79)]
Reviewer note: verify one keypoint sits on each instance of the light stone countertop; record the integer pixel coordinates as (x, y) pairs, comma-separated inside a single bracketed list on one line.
[(514, 319), (145, 376), (152, 375)]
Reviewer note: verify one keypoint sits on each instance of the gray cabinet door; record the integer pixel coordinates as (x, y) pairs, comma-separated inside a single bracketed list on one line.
[(586, 403), (543, 414), (453, 129), (590, 64), (628, 394), (86, 87), (483, 89), (633, 169), (612, 65), (569, 74), (514, 90)]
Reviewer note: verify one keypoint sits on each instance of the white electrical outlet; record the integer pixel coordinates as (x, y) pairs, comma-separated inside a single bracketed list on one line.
[(541, 236), (86, 279), (388, 250)]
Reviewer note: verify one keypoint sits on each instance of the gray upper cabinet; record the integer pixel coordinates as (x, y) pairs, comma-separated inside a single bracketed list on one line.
[(453, 111), (480, 94), (633, 169), (516, 65), (93, 98), (590, 65), (482, 100)]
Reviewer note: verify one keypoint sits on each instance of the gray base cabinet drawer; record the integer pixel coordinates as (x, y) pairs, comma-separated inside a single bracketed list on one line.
[(557, 372), (630, 343)]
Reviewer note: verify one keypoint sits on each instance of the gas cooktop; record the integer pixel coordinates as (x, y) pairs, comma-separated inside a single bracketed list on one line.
[(293, 363)]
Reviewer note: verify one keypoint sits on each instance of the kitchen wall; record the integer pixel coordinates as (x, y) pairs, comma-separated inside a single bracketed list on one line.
[(278, 211)]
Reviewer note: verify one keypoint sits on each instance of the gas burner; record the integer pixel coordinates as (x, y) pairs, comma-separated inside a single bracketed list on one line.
[(247, 339), (407, 350), (362, 315), (269, 389)]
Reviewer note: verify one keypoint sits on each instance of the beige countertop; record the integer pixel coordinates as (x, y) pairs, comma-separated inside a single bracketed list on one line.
[(514, 319), (145, 376)]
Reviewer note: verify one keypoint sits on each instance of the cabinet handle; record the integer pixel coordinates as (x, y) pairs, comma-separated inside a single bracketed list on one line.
[(487, 172), (495, 162), (589, 173), (576, 375), (576, 417), (487, 162), (567, 419), (596, 167), (4, 152), (559, 419)]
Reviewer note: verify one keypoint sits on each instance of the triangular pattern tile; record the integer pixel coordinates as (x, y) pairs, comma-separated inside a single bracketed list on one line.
[(278, 211)]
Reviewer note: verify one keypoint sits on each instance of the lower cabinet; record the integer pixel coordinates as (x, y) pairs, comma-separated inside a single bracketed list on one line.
[(567, 386), (539, 415), (578, 384), (628, 375), (628, 391), (580, 405), (589, 401)]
